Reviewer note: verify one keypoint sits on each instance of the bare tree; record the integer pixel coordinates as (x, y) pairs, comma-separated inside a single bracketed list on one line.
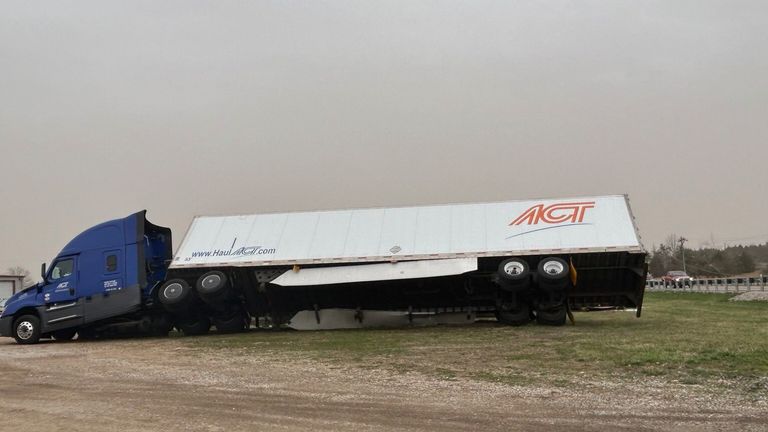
[(21, 271), (671, 243)]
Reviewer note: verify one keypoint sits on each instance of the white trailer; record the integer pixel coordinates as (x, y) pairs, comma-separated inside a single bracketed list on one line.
[(518, 260)]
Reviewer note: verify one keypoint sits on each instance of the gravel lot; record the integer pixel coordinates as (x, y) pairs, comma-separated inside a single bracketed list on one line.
[(751, 296), (168, 385)]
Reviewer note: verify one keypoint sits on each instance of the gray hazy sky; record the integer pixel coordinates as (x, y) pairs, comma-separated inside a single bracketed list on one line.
[(190, 107)]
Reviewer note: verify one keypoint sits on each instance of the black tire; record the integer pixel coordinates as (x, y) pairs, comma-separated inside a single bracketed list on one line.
[(194, 326), (553, 270), (64, 335), (26, 330), (233, 324), (161, 325), (176, 294), (213, 287), (514, 316), (553, 316), (514, 269)]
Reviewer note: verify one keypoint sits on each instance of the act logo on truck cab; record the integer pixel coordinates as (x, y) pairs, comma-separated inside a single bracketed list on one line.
[(555, 213)]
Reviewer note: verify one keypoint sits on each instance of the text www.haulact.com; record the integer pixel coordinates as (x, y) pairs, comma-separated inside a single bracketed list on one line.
[(243, 251)]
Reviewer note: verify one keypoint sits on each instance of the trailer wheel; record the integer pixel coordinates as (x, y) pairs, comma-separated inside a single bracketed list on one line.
[(514, 269), (553, 270), (514, 316), (554, 316), (234, 324), (193, 326), (212, 286), (26, 329), (175, 294), (66, 334)]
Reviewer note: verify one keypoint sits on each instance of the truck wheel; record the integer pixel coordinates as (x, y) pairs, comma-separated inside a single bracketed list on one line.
[(234, 324), (554, 316), (26, 329), (213, 286), (66, 334), (161, 324), (553, 270), (193, 326), (175, 294), (514, 316)]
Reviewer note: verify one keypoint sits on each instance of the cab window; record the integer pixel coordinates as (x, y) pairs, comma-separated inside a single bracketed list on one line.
[(111, 264), (112, 261), (62, 269)]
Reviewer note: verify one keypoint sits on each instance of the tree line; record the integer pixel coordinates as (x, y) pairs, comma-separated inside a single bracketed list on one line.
[(20, 271), (708, 261)]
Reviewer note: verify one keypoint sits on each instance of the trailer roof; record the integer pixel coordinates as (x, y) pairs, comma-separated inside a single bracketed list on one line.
[(521, 227)]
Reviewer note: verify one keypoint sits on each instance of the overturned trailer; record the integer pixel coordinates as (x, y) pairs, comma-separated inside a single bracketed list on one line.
[(518, 261)]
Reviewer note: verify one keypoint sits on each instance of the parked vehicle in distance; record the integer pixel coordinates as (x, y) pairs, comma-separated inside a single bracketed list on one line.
[(676, 278), (518, 261)]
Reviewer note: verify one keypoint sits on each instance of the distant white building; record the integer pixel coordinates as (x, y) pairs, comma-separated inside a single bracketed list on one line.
[(9, 285)]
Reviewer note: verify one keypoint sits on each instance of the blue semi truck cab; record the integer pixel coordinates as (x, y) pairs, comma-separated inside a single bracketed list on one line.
[(105, 278)]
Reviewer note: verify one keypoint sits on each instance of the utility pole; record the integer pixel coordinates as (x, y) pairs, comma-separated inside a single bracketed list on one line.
[(682, 241)]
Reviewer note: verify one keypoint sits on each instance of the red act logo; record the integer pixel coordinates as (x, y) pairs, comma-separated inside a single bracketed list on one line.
[(555, 213)]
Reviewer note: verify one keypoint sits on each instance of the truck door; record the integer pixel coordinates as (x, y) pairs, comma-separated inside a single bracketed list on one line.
[(62, 307), (104, 276)]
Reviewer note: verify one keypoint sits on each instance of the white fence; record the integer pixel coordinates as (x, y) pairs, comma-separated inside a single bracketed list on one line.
[(713, 285)]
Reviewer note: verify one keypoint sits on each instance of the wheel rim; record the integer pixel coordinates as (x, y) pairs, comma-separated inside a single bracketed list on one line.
[(514, 268), (211, 282), (25, 330), (553, 267), (173, 291)]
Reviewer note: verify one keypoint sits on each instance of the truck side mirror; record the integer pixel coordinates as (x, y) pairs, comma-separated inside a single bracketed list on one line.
[(42, 271)]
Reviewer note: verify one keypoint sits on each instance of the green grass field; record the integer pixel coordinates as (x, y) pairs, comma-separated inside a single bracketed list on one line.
[(683, 338)]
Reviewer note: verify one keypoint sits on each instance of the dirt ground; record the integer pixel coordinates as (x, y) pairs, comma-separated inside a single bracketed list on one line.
[(164, 385)]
